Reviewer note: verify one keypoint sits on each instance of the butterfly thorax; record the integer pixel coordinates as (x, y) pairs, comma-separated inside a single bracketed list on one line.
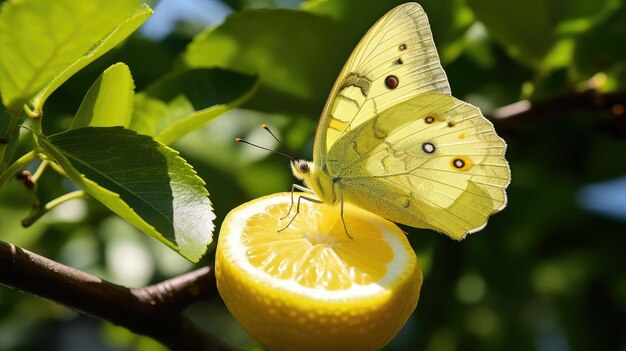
[(320, 182)]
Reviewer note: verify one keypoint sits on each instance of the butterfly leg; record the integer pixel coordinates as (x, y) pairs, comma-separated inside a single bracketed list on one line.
[(344, 221), (293, 188), (298, 209)]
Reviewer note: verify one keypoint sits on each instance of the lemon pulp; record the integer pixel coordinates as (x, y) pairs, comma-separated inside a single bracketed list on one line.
[(315, 250)]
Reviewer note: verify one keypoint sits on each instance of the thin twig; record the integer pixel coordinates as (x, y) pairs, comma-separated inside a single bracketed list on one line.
[(16, 166), (39, 211)]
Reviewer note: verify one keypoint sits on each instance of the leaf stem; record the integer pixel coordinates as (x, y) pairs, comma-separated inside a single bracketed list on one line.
[(5, 138), (30, 112), (37, 125), (55, 166), (40, 211), (15, 167), (40, 170)]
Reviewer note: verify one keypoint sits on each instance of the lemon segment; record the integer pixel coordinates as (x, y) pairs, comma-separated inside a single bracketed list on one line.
[(311, 252), (311, 287)]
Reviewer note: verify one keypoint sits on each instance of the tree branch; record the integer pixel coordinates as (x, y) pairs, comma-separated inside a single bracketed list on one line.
[(154, 311), (523, 114)]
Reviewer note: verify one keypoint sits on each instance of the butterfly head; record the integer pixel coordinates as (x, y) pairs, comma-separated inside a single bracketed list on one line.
[(315, 179), (301, 168)]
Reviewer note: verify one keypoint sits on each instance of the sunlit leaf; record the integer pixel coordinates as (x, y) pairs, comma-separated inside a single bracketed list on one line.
[(580, 16), (295, 65), (141, 180), (46, 42), (186, 100), (109, 101), (560, 56)]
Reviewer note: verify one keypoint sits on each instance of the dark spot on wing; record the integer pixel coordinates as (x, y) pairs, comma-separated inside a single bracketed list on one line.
[(428, 148), (392, 82)]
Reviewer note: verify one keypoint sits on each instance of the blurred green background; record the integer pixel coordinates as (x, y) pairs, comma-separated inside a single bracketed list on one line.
[(547, 273)]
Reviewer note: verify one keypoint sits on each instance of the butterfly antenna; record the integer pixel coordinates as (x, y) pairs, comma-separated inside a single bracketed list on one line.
[(264, 126), (239, 140)]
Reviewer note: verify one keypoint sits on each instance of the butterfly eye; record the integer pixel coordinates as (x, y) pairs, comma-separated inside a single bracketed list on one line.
[(304, 167), (461, 163), (392, 82)]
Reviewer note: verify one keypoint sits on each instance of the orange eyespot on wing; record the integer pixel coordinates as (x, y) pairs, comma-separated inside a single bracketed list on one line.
[(460, 163)]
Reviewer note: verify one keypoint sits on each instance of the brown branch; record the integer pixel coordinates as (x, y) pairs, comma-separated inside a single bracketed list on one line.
[(524, 114), (154, 311)]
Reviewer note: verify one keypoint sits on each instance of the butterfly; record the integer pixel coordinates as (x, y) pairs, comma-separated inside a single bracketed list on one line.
[(393, 141)]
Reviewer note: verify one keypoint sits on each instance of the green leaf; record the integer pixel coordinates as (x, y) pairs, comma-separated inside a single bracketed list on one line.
[(598, 50), (46, 42), (524, 27), (186, 100), (580, 16), (109, 101), (535, 31), (343, 10), (292, 61), (141, 180), (7, 150)]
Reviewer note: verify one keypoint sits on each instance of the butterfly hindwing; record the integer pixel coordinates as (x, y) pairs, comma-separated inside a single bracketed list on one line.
[(396, 59), (432, 161)]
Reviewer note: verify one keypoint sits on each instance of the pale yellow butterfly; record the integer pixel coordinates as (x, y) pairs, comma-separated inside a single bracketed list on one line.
[(393, 141)]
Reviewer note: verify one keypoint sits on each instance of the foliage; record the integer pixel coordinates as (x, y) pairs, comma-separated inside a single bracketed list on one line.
[(546, 273), (137, 177)]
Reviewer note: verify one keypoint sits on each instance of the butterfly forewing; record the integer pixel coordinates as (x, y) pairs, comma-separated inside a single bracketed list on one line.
[(396, 59)]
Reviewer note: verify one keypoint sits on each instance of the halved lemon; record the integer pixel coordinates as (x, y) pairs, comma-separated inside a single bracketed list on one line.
[(311, 287)]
